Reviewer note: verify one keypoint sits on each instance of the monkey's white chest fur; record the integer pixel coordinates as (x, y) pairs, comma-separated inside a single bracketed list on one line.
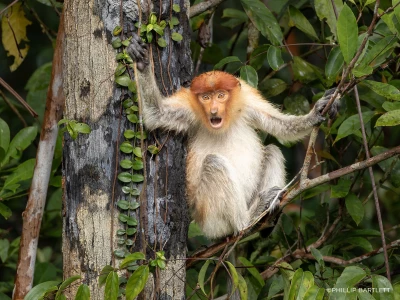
[(223, 173)]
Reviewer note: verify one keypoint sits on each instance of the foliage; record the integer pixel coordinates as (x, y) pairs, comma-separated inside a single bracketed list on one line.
[(327, 236)]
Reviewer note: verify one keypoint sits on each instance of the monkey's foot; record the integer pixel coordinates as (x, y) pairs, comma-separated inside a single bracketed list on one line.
[(271, 198)]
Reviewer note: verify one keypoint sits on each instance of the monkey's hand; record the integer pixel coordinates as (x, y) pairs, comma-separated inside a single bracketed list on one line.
[(137, 50), (321, 104)]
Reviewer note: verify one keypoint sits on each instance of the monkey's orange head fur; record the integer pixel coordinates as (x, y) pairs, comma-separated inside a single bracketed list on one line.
[(216, 99), (213, 81)]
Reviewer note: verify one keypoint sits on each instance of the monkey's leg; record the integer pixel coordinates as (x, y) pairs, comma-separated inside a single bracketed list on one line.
[(272, 180), (220, 206)]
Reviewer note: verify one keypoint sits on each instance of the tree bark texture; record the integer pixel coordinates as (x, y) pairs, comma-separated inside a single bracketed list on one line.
[(91, 162)]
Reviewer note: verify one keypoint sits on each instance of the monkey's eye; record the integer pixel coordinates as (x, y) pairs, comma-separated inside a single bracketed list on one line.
[(221, 95), (205, 97)]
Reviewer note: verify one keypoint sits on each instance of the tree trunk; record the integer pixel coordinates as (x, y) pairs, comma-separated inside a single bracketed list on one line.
[(91, 162)]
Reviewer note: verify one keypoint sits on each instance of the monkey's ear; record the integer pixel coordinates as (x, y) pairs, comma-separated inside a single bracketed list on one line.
[(137, 50)]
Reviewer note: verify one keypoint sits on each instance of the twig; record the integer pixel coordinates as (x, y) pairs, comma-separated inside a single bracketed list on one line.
[(371, 175), (299, 254), (18, 97), (202, 7), (8, 6), (13, 108)]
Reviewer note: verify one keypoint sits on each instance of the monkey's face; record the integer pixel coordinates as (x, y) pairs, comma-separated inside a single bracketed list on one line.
[(214, 105)]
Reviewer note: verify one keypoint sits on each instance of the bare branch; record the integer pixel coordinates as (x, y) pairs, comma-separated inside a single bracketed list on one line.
[(202, 7), (32, 216), (371, 175)]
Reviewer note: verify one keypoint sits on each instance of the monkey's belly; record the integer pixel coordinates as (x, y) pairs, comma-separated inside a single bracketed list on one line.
[(222, 178)]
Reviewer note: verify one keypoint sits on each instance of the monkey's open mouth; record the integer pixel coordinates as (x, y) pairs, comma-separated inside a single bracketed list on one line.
[(216, 122)]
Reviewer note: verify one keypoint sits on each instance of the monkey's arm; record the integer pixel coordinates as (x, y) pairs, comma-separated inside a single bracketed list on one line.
[(264, 116), (170, 113)]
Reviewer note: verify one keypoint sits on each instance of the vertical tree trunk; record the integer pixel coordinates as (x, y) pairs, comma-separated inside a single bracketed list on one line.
[(91, 162)]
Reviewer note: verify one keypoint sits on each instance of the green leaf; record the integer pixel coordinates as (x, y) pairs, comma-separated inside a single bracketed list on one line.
[(383, 89), (24, 171), (174, 21), (357, 242), (252, 270), (4, 246), (176, 8), (355, 208), (382, 46), (318, 256), (234, 275), (243, 288), (39, 291), (236, 16), (258, 56), (112, 286), (125, 177), (116, 43), (126, 147), (275, 58), (153, 149), (347, 31), (389, 106), (334, 64), (314, 293), (4, 135), (37, 87), (272, 87), (137, 178), (5, 211), (19, 143), (137, 151), (161, 42), (123, 204), (391, 118), (202, 275), (249, 74), (82, 128), (379, 284), (83, 292), (326, 12), (304, 71), (123, 80), (350, 277), (65, 284), (177, 37), (301, 282), (342, 188), (125, 164), (136, 282), (225, 61), (123, 218), (117, 30), (300, 21), (133, 118), (352, 124), (137, 165), (129, 134), (121, 68), (263, 20), (133, 257)]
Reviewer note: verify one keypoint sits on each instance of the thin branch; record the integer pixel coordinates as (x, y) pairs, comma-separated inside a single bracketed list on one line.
[(203, 6), (300, 254), (13, 108), (32, 216), (18, 97), (371, 175)]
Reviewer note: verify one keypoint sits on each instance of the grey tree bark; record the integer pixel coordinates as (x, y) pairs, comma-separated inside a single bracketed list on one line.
[(91, 162)]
